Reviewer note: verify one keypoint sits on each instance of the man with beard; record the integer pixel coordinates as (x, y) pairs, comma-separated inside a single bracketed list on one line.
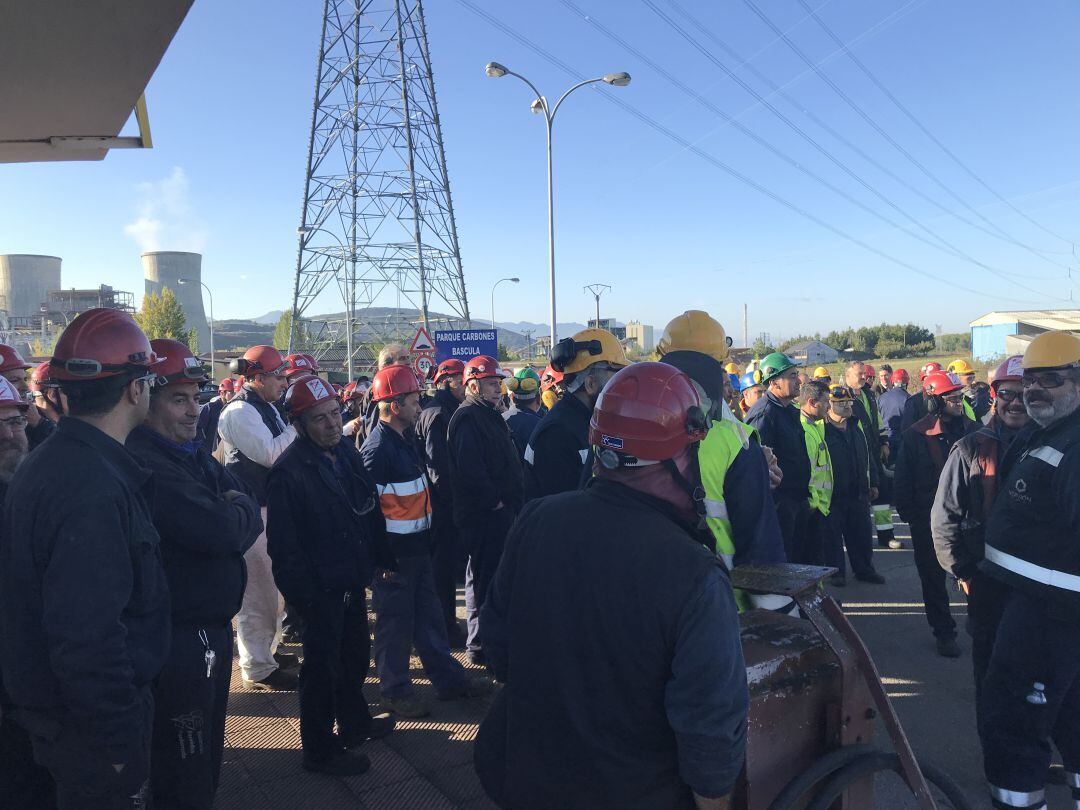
[(84, 605), (326, 536), (207, 520), (254, 436), (646, 704), (432, 428), (1031, 692), (46, 393), (559, 447), (24, 784), (923, 450), (965, 496), (13, 368), (485, 474)]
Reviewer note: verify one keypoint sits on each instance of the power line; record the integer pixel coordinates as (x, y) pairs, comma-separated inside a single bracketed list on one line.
[(948, 246), (912, 117), (881, 131), (724, 167), (779, 90)]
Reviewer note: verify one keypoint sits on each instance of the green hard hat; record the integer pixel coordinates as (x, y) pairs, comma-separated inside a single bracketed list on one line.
[(521, 389), (775, 364)]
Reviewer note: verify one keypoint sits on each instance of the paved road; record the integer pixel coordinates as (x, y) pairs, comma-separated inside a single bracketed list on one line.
[(427, 763)]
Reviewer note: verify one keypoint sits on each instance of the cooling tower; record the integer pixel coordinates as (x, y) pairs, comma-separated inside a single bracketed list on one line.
[(165, 268), (25, 281)]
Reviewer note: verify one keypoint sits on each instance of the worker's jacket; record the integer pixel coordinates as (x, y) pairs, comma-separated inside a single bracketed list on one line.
[(404, 496), (522, 424), (914, 410), (557, 449), (209, 415), (780, 429), (646, 700), (819, 491), (254, 436), (870, 416), (965, 495), (1033, 535), (738, 504), (203, 534), (849, 454), (923, 450), (41, 431), (324, 529), (84, 604), (891, 410), (484, 466), (432, 428)]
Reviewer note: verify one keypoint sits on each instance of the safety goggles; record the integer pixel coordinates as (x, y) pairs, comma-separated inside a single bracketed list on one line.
[(1007, 394), (87, 368), (193, 371), (1044, 379), (567, 349), (841, 393), (954, 399), (522, 385)]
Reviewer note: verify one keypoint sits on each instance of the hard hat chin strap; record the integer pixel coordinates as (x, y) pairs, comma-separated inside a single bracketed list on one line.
[(695, 491)]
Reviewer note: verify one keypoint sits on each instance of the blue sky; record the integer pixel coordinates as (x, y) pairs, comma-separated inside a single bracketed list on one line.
[(994, 80)]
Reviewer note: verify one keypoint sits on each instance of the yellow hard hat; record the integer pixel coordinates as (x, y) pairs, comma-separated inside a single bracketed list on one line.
[(961, 367), (1053, 350), (822, 373), (586, 348), (731, 368), (695, 331)]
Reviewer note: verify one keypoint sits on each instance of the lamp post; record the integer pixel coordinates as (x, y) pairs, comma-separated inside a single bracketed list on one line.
[(493, 286), (541, 105), (210, 295), (349, 295)]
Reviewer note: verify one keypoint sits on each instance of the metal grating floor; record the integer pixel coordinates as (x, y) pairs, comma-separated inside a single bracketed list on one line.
[(425, 763)]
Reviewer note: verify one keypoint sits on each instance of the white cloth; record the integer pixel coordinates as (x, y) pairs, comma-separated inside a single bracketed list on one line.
[(258, 624), (241, 427)]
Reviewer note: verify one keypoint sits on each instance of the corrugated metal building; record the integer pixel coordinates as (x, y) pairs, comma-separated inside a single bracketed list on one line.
[(1000, 334)]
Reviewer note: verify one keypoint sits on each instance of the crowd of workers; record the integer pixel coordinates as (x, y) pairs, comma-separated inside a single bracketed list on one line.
[(593, 511)]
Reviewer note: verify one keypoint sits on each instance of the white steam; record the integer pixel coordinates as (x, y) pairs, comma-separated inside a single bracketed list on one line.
[(165, 220)]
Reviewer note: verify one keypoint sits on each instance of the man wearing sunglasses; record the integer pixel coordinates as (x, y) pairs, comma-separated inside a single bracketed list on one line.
[(254, 436), (559, 447), (207, 520), (923, 450), (1031, 692), (14, 369), (84, 605), (965, 495)]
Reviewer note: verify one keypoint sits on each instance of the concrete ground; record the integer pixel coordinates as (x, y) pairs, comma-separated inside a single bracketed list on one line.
[(428, 763)]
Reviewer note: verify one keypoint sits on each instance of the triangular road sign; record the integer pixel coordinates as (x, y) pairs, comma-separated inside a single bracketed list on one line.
[(422, 342)]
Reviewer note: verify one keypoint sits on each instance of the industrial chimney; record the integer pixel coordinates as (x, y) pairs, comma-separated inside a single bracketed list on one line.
[(165, 268)]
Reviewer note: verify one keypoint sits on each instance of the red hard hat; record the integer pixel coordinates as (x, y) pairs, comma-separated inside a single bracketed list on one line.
[(483, 367), (928, 369), (9, 395), (941, 383), (228, 384), (259, 360), (549, 378), (10, 359), (178, 364), (39, 378), (300, 364), (101, 343), (305, 393), (900, 375), (1012, 368), (868, 370), (393, 381), (650, 411), (449, 368)]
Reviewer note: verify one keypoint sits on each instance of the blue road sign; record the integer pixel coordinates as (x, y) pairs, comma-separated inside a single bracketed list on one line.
[(465, 343)]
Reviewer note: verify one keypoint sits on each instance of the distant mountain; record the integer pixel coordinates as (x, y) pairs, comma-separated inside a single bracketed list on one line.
[(270, 318), (539, 329)]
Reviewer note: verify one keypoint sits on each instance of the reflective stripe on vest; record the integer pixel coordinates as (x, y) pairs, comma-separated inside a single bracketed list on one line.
[(406, 506), (716, 508), (1036, 573), (1048, 454), (1019, 798), (716, 453)]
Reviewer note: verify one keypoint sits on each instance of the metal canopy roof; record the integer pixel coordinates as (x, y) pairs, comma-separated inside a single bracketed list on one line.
[(72, 71), (1041, 318)]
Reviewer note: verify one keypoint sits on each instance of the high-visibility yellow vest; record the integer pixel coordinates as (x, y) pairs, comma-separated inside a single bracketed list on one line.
[(821, 476), (969, 412), (724, 441)]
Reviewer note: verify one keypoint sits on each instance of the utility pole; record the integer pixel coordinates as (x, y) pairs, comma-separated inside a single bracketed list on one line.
[(745, 330), (597, 290)]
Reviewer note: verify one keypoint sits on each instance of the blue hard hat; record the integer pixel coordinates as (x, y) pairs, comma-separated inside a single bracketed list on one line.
[(748, 381), (735, 383)]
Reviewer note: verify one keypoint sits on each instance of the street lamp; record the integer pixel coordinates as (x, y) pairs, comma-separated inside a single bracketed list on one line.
[(540, 105), (493, 286), (211, 297), (349, 295)]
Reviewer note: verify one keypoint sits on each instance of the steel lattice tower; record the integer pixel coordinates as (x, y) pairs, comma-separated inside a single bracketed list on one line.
[(377, 217)]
